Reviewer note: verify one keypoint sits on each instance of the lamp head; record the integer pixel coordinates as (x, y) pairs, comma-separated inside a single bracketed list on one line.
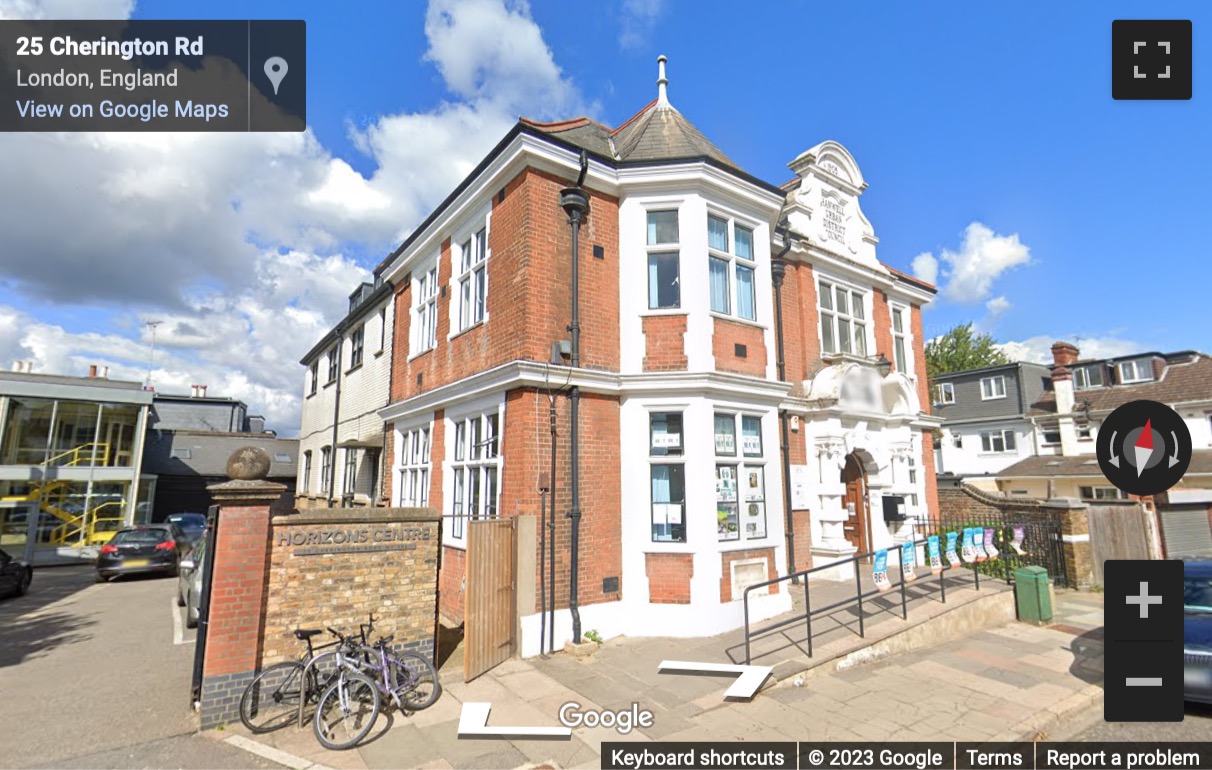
[(883, 365)]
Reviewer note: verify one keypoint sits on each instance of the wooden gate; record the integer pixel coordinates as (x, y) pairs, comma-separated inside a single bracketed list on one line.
[(490, 610), (1116, 532)]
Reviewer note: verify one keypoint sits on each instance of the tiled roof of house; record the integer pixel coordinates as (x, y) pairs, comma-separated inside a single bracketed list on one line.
[(1087, 465), (1181, 381), (657, 132)]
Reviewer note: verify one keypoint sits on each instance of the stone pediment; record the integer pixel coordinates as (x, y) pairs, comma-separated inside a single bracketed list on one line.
[(825, 205)]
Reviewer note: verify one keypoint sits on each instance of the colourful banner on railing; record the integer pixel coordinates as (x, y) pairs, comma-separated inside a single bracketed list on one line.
[(908, 561), (879, 571), (932, 553)]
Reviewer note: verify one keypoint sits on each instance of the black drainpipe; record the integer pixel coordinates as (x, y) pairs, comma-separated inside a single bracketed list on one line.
[(575, 202), (336, 421), (778, 271)]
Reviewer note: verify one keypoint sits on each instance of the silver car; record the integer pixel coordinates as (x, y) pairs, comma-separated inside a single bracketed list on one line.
[(189, 581)]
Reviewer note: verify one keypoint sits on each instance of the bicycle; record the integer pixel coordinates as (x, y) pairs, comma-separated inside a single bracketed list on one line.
[(272, 700), (408, 679), (349, 707)]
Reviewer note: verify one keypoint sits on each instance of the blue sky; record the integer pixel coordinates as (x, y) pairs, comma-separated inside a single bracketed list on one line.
[(986, 132)]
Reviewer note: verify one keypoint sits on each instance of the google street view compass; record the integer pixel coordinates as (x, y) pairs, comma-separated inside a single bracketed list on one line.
[(1144, 447)]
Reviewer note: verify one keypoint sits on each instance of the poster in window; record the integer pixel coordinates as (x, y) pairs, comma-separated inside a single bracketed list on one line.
[(666, 440), (725, 483), (673, 513), (726, 502), (755, 484), (725, 443), (755, 520)]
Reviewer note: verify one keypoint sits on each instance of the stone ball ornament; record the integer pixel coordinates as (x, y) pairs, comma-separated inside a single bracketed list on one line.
[(250, 463)]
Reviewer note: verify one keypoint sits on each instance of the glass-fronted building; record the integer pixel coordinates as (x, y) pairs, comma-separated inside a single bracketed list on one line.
[(71, 452)]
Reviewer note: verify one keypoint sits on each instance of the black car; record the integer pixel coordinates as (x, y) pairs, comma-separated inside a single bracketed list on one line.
[(15, 575), (1197, 631), (192, 524), (145, 548)]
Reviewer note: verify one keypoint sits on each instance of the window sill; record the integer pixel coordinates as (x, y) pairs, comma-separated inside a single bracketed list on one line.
[(737, 320), (728, 546), (418, 354), (659, 547), (378, 353), (993, 398), (309, 395), (352, 369), (471, 328), (673, 311), (330, 383)]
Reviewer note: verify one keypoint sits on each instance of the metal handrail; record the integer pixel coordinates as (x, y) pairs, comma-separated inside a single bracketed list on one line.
[(858, 596)]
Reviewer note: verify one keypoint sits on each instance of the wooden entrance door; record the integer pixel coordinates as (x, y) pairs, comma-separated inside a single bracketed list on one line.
[(490, 611), (855, 502)]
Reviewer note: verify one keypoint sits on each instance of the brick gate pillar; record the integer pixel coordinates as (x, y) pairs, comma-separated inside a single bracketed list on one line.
[(238, 584)]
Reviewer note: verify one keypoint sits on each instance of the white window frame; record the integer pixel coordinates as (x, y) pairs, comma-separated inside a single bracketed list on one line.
[(357, 347), (1081, 378), (1138, 365), (350, 479), (990, 439), (326, 470), (733, 265), (835, 318), (314, 376), (413, 467), (465, 431), (742, 461), (1100, 493), (382, 329), (902, 339), (944, 393), (667, 455), (995, 382), (662, 248), (334, 363), (460, 310), (957, 440), (306, 472), (425, 310)]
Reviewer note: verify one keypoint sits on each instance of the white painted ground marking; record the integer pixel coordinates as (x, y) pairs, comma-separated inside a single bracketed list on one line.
[(745, 686), (473, 720), (178, 631), (269, 752)]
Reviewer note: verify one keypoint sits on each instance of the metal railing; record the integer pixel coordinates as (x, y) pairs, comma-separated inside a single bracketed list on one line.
[(859, 594)]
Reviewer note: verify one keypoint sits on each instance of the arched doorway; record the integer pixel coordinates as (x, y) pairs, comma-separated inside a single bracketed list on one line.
[(856, 526)]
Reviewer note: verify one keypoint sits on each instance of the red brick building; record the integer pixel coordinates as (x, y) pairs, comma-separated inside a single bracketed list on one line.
[(683, 487)]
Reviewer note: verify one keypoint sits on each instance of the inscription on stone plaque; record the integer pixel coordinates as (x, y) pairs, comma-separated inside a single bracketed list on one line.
[(353, 539), (834, 222)]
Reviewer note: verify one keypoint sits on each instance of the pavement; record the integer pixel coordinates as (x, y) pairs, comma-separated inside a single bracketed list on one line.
[(995, 679), (98, 676)]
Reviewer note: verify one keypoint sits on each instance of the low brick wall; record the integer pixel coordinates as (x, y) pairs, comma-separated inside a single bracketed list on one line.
[(332, 567)]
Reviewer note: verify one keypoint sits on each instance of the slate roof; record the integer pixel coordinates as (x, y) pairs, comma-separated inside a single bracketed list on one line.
[(208, 452), (656, 133), (1087, 465), (1182, 380)]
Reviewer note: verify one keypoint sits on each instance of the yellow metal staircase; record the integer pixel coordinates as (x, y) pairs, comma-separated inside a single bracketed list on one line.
[(78, 526)]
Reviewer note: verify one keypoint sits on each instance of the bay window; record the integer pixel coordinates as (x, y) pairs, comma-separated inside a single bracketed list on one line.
[(668, 477), (729, 256), (740, 487), (664, 285)]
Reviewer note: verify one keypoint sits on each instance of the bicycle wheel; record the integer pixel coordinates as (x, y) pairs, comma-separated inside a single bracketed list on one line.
[(415, 680), (271, 701), (346, 712)]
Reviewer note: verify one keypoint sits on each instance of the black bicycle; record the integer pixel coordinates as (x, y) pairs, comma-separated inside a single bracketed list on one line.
[(272, 700)]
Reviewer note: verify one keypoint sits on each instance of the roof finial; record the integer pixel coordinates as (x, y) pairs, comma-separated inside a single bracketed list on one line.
[(662, 82)]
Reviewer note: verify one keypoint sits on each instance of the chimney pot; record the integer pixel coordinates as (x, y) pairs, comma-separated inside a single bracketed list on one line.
[(1064, 353), (105, 372), (92, 370), (202, 390)]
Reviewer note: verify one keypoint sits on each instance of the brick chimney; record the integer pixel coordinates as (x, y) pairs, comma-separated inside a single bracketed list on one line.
[(1064, 354), (92, 371)]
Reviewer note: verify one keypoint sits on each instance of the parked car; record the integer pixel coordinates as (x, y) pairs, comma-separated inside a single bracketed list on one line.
[(145, 548), (189, 582), (192, 524), (15, 575), (1197, 631)]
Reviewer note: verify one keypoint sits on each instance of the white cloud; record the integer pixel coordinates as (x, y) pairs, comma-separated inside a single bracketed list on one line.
[(66, 9), (639, 19), (969, 273), (1038, 349), (925, 266), (237, 242), (997, 307)]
